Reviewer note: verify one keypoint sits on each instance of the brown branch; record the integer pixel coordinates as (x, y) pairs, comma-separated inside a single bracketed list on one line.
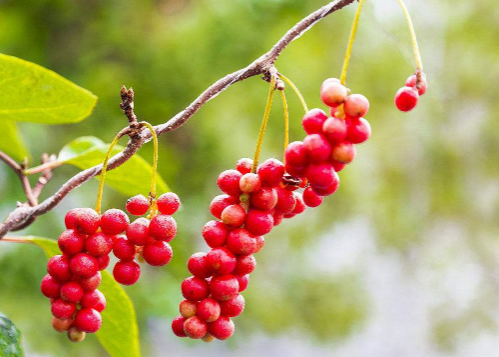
[(19, 170), (262, 65)]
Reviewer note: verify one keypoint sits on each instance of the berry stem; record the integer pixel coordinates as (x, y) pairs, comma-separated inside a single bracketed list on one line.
[(265, 120), (415, 48), (154, 160), (295, 88), (286, 119), (343, 76)]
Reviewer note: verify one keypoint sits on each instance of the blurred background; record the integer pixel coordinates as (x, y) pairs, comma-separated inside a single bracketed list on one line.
[(402, 260)]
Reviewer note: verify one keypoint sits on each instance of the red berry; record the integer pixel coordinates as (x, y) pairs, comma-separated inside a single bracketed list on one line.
[(333, 93), (198, 265), (85, 220), (319, 149), (126, 272), (71, 291), (168, 203), (224, 287), (50, 287), (228, 182), (243, 282), (278, 217), (94, 299), (326, 191), (337, 166), (296, 154), (411, 82), (215, 233), (84, 265), (103, 261), (163, 227), (99, 244), (244, 165), (187, 308), (62, 309), (92, 283), (250, 183), (195, 328), (75, 335), (295, 171), (313, 120), (265, 199), (233, 215), (114, 221), (259, 222), (233, 307), (207, 338), (208, 310), (219, 203), (271, 172), (343, 152), (240, 241), (123, 249), (335, 129), (406, 99), (221, 329), (71, 242), (356, 105), (178, 326), (157, 253), (88, 320), (300, 205), (137, 205), (260, 242), (221, 260), (311, 199), (286, 201), (245, 265), (194, 288), (321, 175), (58, 268), (138, 231), (359, 131), (61, 325)]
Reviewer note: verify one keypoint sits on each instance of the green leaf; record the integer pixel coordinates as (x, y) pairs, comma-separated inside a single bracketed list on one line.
[(35, 94), (10, 345), (131, 178), (119, 333), (12, 143)]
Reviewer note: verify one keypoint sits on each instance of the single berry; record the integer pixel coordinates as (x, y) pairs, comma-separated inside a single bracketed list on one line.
[(58, 268), (195, 328), (92, 283), (260, 242), (221, 329), (123, 249), (50, 287), (126, 272), (98, 244), (228, 182), (215, 233), (240, 241), (208, 310), (244, 165), (295, 171), (157, 253), (114, 221), (163, 227), (233, 215), (243, 282), (224, 287), (88, 320), (411, 82), (335, 129), (84, 220), (343, 152), (187, 308), (61, 325), (221, 260), (296, 154), (83, 265), (94, 300), (278, 217), (313, 121), (265, 199), (406, 99), (194, 288), (326, 191), (259, 222), (63, 309), (271, 172), (71, 242), (359, 131), (75, 335), (178, 326), (250, 183), (71, 291), (311, 199), (356, 105), (208, 338), (337, 166), (286, 201), (168, 203), (233, 307), (333, 93), (138, 231), (246, 264), (103, 261), (137, 205), (219, 203), (198, 265), (319, 149), (300, 205), (320, 175)]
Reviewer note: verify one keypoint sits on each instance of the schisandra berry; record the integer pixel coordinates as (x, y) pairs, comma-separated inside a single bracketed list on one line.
[(123, 249), (163, 227), (286, 201), (233, 215), (195, 288), (84, 265), (75, 335), (157, 253), (228, 182), (114, 221), (84, 220), (103, 261), (138, 231), (250, 183), (63, 309), (320, 175), (259, 222), (215, 233), (271, 172), (318, 147), (411, 82), (335, 129), (244, 165), (71, 242), (245, 265), (265, 199), (208, 310), (240, 241), (178, 326), (71, 291), (359, 131), (58, 267), (168, 203), (224, 287), (221, 260), (126, 272), (188, 308), (233, 307), (311, 199), (219, 203), (94, 299), (333, 93), (61, 325), (99, 244), (296, 154), (198, 265), (243, 282), (195, 328), (88, 320), (92, 283), (50, 287), (356, 105), (137, 205), (344, 152), (221, 329), (406, 99), (313, 121)]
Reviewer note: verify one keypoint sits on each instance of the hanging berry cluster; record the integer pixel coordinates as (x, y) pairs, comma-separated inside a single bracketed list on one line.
[(407, 97)]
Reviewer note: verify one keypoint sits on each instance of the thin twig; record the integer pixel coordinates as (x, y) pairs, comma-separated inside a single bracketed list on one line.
[(18, 169)]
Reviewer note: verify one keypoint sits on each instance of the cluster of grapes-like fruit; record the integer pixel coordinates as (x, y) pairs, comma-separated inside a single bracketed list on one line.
[(74, 277), (407, 97), (253, 203)]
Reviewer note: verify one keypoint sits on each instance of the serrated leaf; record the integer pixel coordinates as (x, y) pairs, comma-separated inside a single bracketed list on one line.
[(119, 333), (10, 338), (35, 94), (12, 142), (131, 178)]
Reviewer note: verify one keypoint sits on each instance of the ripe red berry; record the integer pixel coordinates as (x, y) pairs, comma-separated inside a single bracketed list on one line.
[(326, 191), (215, 233), (88, 320), (221, 260), (244, 165), (344, 152), (250, 183), (194, 288), (260, 242), (138, 231), (313, 121), (208, 310), (178, 326), (137, 205), (300, 205), (75, 335), (333, 93), (126, 272), (245, 265), (195, 328), (240, 241), (71, 242), (92, 283), (228, 182), (62, 309), (321, 175), (296, 154), (85, 220), (163, 227), (103, 261), (319, 149), (259, 222), (83, 265), (286, 201), (219, 203), (157, 253), (233, 307), (356, 105), (233, 215), (198, 265), (123, 249), (271, 172), (71, 291), (224, 287), (114, 221), (359, 131), (337, 166), (61, 325), (168, 203), (265, 199), (50, 287), (58, 268), (94, 300), (278, 217), (406, 99), (311, 199), (335, 129), (243, 282), (221, 329), (295, 171), (411, 82), (187, 308), (98, 244)]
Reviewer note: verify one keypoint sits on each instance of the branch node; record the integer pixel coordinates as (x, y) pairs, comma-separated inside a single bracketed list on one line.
[(127, 104)]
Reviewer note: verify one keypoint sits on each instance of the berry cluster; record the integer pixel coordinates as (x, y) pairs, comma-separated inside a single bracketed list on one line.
[(407, 97)]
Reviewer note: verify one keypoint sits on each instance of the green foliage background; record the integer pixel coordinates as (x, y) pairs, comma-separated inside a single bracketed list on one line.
[(409, 242)]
